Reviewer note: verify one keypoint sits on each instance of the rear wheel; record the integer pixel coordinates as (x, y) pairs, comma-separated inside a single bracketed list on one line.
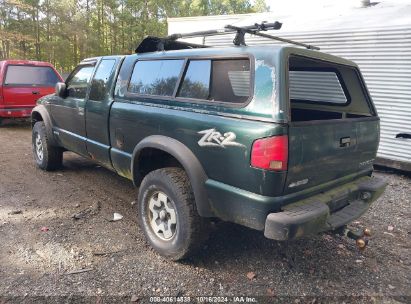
[(47, 157), (168, 214)]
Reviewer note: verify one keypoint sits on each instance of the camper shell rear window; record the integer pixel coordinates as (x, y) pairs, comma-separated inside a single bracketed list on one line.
[(321, 90), (318, 86)]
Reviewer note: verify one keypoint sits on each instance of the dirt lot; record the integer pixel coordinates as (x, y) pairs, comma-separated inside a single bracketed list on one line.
[(39, 263)]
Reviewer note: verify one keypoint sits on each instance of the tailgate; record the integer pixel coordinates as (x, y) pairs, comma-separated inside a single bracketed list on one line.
[(327, 150)]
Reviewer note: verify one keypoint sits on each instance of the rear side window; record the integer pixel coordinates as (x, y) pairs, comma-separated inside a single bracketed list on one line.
[(316, 86), (99, 83), (217, 80), (30, 75), (155, 77)]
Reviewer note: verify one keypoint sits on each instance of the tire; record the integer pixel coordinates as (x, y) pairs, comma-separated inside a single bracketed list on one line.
[(47, 157), (174, 239)]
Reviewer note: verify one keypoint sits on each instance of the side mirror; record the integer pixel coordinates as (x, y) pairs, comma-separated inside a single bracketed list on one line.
[(61, 89)]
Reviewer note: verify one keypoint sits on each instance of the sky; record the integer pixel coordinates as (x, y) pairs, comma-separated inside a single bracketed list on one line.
[(287, 6)]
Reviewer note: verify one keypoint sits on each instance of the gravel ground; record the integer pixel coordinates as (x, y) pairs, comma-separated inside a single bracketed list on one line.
[(236, 261)]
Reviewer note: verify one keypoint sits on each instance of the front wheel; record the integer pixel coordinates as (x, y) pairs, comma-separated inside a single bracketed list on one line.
[(47, 157), (168, 214)]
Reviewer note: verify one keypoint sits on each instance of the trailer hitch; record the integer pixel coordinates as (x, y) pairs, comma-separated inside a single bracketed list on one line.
[(360, 236)]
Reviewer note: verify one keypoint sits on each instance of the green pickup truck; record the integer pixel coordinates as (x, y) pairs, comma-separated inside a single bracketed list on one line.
[(279, 139)]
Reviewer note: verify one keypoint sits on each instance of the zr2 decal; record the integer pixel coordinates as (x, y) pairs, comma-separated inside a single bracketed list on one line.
[(213, 138)]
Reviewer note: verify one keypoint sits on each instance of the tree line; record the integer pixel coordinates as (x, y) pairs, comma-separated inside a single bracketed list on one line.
[(65, 31)]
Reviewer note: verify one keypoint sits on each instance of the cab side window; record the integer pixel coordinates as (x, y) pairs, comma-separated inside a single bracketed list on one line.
[(196, 82), (155, 77), (99, 84), (78, 82)]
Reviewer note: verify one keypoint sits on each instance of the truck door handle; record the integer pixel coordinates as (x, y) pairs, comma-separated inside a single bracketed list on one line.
[(35, 92), (345, 141)]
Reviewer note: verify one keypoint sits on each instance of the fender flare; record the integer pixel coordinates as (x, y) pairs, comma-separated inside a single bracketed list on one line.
[(187, 159), (42, 111)]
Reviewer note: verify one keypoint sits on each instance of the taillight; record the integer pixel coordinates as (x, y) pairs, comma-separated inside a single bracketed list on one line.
[(270, 153)]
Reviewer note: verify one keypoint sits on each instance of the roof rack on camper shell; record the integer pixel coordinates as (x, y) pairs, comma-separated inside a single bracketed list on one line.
[(152, 44)]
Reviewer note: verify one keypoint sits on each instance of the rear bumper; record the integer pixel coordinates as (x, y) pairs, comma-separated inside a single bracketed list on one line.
[(326, 211), (15, 112)]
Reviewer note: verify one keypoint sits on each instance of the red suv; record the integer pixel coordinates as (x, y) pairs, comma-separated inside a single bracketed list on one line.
[(22, 82)]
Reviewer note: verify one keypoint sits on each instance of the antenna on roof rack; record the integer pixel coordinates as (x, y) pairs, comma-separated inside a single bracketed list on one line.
[(152, 44)]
